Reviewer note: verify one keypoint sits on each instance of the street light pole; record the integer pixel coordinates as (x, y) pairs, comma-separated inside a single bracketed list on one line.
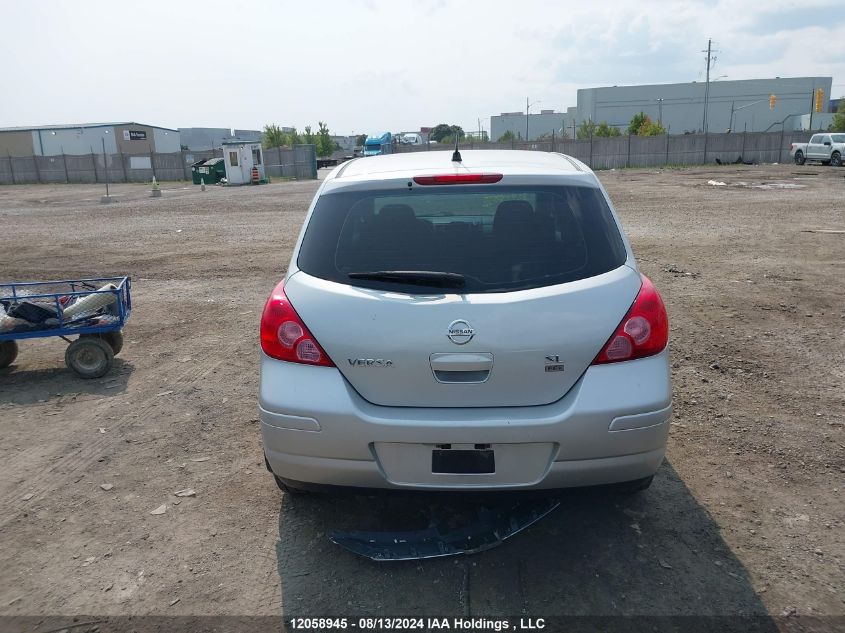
[(528, 105)]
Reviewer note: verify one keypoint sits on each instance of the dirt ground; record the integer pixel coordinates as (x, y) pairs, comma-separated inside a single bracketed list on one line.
[(745, 516)]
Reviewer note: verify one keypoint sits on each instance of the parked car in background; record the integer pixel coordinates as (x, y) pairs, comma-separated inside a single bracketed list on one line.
[(825, 148), (412, 138), (473, 324)]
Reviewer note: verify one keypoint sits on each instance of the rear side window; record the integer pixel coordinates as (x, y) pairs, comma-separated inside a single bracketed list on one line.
[(500, 239)]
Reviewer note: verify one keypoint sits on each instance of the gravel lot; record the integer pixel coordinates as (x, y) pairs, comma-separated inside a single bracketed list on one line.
[(745, 516)]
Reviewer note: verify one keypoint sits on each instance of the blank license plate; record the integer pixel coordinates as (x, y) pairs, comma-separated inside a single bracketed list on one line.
[(462, 462)]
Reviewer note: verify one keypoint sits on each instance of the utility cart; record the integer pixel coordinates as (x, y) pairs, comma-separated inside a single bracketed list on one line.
[(92, 311)]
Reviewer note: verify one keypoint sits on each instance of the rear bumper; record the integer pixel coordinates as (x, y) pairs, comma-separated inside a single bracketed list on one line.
[(611, 427)]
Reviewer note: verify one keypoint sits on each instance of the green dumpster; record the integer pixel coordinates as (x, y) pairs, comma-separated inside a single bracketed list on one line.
[(210, 171)]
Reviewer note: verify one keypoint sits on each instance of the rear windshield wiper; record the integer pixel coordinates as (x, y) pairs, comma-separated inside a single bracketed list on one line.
[(415, 277)]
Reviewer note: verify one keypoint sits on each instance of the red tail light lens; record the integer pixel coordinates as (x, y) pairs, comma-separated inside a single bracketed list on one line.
[(458, 179), (643, 332), (284, 335)]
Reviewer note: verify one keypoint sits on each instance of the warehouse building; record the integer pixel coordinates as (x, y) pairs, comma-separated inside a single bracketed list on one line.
[(736, 105), (531, 127), (744, 104), (199, 139), (119, 138)]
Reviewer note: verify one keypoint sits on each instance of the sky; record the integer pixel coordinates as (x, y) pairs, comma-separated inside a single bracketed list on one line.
[(366, 66)]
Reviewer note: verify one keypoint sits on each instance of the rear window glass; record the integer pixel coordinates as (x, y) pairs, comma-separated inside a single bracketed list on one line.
[(499, 239)]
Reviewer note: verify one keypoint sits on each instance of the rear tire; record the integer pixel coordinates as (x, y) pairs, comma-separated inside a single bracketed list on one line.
[(8, 353), (283, 485), (799, 158), (114, 339), (836, 159), (633, 487), (288, 489), (90, 357)]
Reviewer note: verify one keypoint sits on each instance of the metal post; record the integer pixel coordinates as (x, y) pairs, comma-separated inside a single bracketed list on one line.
[(64, 162), (707, 91), (94, 163), (123, 167), (11, 168), (105, 166), (591, 149), (553, 140), (666, 161), (780, 147), (812, 106), (742, 152), (628, 158), (37, 171), (152, 161)]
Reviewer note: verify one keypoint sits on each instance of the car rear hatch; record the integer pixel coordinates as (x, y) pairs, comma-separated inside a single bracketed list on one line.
[(463, 296)]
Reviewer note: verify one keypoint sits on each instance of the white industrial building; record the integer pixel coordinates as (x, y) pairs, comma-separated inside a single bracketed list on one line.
[(126, 137), (521, 126), (199, 139), (736, 105)]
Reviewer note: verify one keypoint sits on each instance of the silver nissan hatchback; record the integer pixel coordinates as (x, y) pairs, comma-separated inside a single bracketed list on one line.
[(474, 323)]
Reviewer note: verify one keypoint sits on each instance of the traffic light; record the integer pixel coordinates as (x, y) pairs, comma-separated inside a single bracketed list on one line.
[(772, 99), (819, 99)]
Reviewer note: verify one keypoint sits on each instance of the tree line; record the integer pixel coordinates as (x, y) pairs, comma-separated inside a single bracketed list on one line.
[(274, 136), (640, 125)]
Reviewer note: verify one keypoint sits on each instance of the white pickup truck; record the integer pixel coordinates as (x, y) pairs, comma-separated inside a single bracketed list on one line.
[(827, 148)]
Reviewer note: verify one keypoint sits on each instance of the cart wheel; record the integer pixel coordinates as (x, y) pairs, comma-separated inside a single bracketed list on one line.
[(114, 339), (8, 353), (90, 357)]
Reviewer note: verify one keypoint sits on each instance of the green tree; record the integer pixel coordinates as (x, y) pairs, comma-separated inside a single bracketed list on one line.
[(293, 138), (651, 128), (273, 136), (604, 129), (442, 130), (507, 137), (636, 123), (359, 140), (308, 137), (325, 144), (838, 124), (586, 129)]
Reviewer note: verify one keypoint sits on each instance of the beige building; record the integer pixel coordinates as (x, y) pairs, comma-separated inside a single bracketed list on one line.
[(119, 138)]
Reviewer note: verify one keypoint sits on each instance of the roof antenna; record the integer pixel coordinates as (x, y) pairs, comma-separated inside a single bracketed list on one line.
[(456, 155)]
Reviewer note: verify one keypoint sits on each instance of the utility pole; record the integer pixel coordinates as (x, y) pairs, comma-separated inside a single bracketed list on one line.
[(528, 105), (526, 118), (710, 61), (660, 110)]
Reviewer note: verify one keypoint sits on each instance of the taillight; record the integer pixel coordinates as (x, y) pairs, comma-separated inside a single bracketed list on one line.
[(458, 179), (284, 335), (643, 332)]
